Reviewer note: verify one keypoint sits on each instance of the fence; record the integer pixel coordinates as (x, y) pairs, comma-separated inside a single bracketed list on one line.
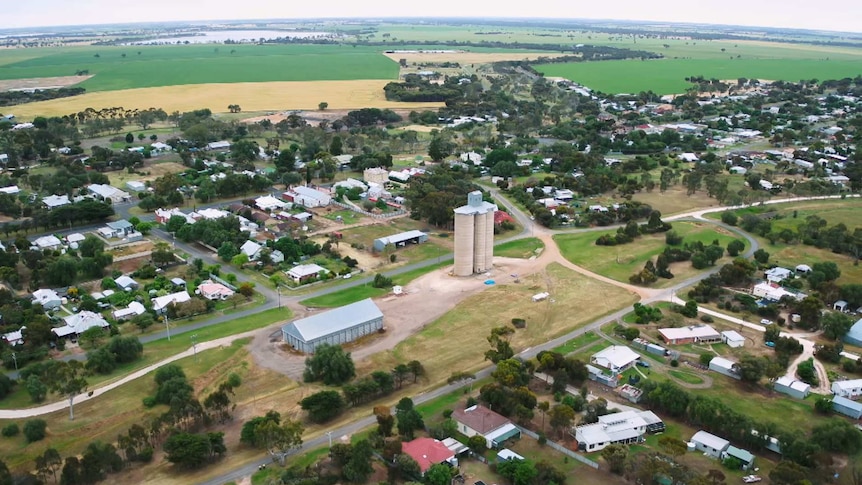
[(562, 449), (220, 280)]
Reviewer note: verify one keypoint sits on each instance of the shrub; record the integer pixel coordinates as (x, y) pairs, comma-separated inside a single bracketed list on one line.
[(34, 430), (149, 401), (706, 319), (10, 430), (145, 455), (729, 218), (519, 323), (674, 363)]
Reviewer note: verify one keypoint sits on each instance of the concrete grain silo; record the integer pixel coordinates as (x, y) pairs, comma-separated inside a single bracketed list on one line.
[(474, 236)]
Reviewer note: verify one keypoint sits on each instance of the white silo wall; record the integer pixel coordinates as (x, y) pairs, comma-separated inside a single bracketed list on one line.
[(479, 243), (464, 229), (489, 240)]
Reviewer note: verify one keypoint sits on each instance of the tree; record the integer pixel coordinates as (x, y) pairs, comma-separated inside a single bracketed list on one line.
[(689, 309), (477, 444), (322, 105), (246, 289), (751, 368), (49, 462), (358, 467), (278, 439), (787, 473), (409, 419), (188, 450), (227, 251), (385, 420), (672, 446), (735, 247), (91, 246), (562, 417), (615, 456), (71, 472), (330, 364), (809, 309), (34, 430), (130, 138), (323, 406), (761, 256), (406, 468), (36, 388), (438, 474), (5, 474), (519, 472), (247, 434), (835, 325)]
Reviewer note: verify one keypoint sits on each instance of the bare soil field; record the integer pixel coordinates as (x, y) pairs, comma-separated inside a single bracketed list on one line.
[(41, 82), (156, 170), (263, 96), (469, 57)]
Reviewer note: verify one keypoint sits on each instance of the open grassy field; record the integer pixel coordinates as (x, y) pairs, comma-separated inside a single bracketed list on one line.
[(667, 76), (520, 248), (620, 262), (252, 96), (126, 67), (456, 341)]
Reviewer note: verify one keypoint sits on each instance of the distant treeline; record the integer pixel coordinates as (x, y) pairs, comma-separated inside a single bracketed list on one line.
[(11, 98)]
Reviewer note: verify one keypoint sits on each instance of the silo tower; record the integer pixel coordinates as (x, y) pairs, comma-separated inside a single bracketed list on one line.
[(474, 236)]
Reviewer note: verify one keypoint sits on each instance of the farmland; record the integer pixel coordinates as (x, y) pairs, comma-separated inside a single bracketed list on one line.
[(667, 76)]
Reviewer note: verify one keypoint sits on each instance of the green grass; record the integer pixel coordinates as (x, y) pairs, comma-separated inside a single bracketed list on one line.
[(667, 76), (198, 64), (620, 262), (347, 216), (356, 293), (577, 343), (686, 377), (521, 248)]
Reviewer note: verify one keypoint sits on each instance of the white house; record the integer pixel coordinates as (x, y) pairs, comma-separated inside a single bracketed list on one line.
[(472, 157), (136, 186), (79, 323), (48, 242), (269, 203), (308, 197), (617, 428), (774, 292), (251, 249), (53, 201), (481, 421), (849, 389), (212, 214), (615, 358), (777, 274), (218, 145), (305, 272), (214, 291), (126, 283), (160, 304), (11, 190), (134, 309), (690, 334), (108, 193), (75, 238), (732, 338), (709, 444), (352, 183), (49, 299)]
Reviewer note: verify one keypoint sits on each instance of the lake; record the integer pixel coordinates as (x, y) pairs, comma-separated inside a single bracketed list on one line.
[(220, 36)]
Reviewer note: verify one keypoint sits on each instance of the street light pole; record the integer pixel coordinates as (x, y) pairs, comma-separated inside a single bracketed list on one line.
[(195, 345), (278, 290), (167, 327), (329, 434)]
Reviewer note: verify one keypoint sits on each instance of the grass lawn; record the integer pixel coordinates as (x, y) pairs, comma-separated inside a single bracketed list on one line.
[(126, 67), (667, 76), (161, 349), (577, 343), (521, 248), (456, 341), (620, 262), (356, 293), (347, 216), (686, 376)]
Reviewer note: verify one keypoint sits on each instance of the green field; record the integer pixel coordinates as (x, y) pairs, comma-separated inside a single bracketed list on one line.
[(154, 66), (667, 76), (620, 262), (520, 248)]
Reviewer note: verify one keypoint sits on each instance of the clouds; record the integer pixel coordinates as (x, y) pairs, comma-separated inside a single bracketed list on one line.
[(842, 15)]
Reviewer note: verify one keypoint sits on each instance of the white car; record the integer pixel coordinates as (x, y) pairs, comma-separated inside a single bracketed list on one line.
[(765, 321), (751, 479), (348, 276)]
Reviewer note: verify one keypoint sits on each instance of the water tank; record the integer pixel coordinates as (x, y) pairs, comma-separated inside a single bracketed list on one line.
[(689, 446), (464, 229)]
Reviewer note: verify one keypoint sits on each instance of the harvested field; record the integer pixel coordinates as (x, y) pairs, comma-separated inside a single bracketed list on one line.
[(265, 96), (470, 57), (41, 82)]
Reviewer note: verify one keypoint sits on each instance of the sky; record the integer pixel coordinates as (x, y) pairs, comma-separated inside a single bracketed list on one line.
[(840, 15)]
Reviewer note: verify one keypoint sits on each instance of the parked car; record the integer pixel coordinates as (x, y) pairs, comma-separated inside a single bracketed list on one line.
[(769, 344), (751, 479), (348, 276), (766, 321), (642, 363)]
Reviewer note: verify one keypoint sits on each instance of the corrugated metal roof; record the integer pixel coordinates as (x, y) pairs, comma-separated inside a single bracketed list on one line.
[(317, 326)]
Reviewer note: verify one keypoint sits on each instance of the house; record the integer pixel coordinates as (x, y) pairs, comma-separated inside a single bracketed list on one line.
[(108, 193), (791, 387), (732, 338), (136, 186), (276, 256), (508, 455), (269, 203), (305, 272), (850, 389), (774, 292), (75, 238), (615, 358), (302, 217), (54, 201), (49, 299), (11, 190), (178, 282), (334, 327), (251, 249), (159, 147), (840, 306), (724, 366), (854, 335), (777, 274), (214, 291), (4, 158), (211, 214), (428, 452), (218, 145), (481, 421), (48, 243), (564, 194), (134, 309), (118, 229), (688, 157), (126, 283), (401, 177), (15, 337), (376, 175), (308, 197), (703, 334), (400, 240), (79, 323), (160, 304), (709, 444), (472, 157), (352, 183), (847, 407), (617, 428), (744, 456), (164, 215), (598, 375)]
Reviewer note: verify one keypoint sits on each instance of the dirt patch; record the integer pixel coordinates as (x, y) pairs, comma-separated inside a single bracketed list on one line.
[(463, 57), (420, 128), (41, 82), (156, 170), (266, 97)]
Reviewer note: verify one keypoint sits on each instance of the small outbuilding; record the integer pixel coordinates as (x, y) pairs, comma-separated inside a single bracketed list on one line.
[(849, 389), (732, 338), (792, 387), (615, 358), (744, 456), (854, 335), (724, 366), (335, 327), (709, 444), (400, 240), (848, 408)]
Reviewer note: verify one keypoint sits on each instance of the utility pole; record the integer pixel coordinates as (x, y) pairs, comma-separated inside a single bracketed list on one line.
[(329, 434), (167, 326), (195, 345), (15, 359), (278, 290)]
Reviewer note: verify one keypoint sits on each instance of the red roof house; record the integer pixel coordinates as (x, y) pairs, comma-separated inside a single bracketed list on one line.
[(500, 217), (428, 452)]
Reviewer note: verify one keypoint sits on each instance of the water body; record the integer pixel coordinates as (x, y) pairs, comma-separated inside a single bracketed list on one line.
[(220, 36)]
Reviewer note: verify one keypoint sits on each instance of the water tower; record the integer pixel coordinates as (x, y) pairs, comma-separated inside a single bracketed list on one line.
[(474, 236)]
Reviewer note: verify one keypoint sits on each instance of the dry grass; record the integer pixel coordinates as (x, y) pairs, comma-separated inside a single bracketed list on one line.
[(675, 201), (118, 179), (261, 96), (456, 341), (469, 57), (41, 82)]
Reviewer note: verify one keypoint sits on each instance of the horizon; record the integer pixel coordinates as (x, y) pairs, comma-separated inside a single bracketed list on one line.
[(53, 13)]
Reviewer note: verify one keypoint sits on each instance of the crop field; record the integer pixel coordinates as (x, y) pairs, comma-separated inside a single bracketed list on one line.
[(667, 76), (620, 262), (128, 67)]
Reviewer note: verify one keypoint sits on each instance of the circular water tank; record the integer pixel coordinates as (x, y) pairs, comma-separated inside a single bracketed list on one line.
[(74, 245)]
